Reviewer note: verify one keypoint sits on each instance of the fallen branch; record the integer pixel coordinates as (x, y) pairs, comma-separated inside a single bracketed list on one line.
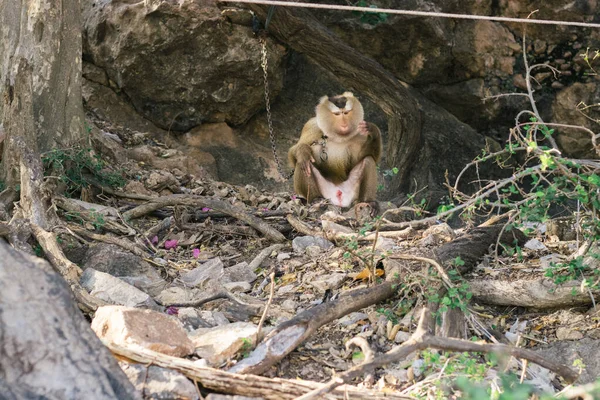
[(200, 202), (123, 243), (538, 293), (422, 340), (255, 263), (288, 335), (247, 385), (95, 214)]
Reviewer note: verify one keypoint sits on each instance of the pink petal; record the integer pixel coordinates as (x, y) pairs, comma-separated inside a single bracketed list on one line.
[(154, 240), (196, 253), (170, 244)]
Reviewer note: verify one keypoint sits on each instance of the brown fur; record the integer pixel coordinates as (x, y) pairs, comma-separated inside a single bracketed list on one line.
[(345, 148)]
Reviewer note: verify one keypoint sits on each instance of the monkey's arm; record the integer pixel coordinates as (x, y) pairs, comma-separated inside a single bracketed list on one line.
[(300, 155), (372, 146)]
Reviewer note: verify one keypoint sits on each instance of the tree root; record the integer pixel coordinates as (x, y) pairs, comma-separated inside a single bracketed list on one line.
[(198, 201)]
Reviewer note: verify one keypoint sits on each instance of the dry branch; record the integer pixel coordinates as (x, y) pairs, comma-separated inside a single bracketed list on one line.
[(247, 385), (123, 243), (422, 340), (538, 293), (200, 202), (288, 335)]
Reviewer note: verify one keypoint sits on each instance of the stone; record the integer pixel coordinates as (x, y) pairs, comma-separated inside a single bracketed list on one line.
[(313, 251), (243, 287), (328, 281), (191, 318), (300, 243), (585, 350), (211, 270), (214, 318), (520, 82), (157, 383), (401, 337), (283, 256), (352, 318), (289, 305), (115, 291), (178, 295), (564, 333), (219, 344), (239, 273), (113, 260), (536, 245), (146, 328)]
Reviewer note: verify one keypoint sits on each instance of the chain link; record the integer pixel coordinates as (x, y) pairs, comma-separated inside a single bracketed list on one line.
[(264, 65)]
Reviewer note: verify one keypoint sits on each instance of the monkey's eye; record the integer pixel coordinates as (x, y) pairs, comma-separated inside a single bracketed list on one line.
[(346, 112), (337, 113)]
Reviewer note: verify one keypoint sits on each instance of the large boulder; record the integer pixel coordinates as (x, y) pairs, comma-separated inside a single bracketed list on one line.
[(180, 63)]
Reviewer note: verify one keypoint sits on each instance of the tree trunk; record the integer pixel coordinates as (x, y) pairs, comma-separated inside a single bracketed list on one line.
[(47, 34), (47, 347)]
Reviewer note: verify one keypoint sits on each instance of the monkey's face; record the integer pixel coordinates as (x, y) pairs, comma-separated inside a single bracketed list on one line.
[(339, 115)]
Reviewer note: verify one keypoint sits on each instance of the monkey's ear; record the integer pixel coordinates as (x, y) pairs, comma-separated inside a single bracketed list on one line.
[(323, 99)]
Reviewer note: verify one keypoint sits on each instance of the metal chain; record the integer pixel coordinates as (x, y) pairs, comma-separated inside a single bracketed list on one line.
[(264, 66)]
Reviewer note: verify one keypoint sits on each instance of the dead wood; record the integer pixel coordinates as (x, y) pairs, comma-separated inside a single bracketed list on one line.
[(303, 228), (121, 242), (108, 221), (536, 293), (200, 202), (422, 339), (288, 335), (47, 346), (246, 385), (473, 245), (255, 263), (162, 225), (228, 229)]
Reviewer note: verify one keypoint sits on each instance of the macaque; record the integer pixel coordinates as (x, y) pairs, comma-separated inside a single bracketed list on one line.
[(336, 154)]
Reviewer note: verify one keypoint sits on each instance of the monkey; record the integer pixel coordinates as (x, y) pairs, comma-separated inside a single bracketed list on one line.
[(337, 153)]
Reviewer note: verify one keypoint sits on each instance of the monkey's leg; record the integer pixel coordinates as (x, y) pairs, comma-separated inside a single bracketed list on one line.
[(306, 186), (368, 187), (345, 193)]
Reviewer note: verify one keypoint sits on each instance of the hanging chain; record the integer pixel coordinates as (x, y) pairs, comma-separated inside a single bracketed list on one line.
[(264, 66)]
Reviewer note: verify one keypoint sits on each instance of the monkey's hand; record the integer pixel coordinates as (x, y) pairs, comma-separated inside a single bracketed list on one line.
[(363, 128), (304, 160)]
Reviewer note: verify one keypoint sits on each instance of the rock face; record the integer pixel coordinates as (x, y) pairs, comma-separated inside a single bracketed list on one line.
[(180, 63)]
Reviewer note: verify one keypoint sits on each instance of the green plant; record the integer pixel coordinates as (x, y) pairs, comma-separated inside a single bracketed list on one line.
[(388, 314), (98, 219), (368, 17), (246, 347), (77, 168)]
